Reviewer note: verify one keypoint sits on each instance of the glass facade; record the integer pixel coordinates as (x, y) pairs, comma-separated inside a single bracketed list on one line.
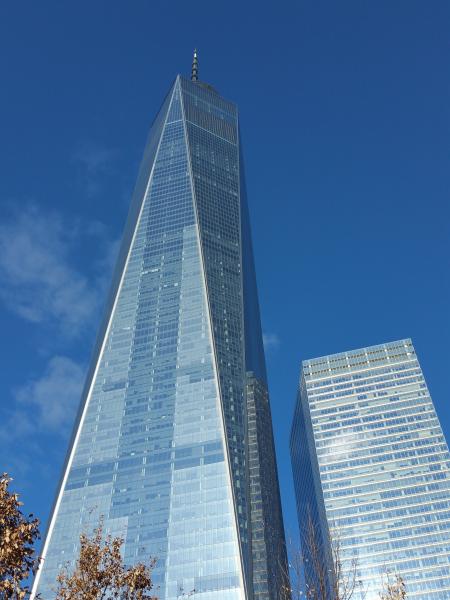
[(160, 448), (268, 547), (371, 469)]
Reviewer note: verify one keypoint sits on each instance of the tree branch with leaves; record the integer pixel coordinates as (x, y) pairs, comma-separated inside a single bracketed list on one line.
[(18, 534), (100, 572)]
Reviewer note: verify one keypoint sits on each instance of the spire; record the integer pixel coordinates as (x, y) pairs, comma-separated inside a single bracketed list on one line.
[(194, 72)]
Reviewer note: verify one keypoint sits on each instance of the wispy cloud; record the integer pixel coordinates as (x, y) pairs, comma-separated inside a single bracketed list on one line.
[(39, 278), (53, 397), (271, 341), (46, 403), (41, 416), (95, 161), (54, 272)]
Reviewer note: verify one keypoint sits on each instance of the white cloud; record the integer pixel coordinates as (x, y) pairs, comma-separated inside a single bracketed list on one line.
[(53, 397), (94, 157), (271, 341), (105, 265), (95, 161), (39, 281), (44, 281), (54, 273), (40, 418), (45, 405)]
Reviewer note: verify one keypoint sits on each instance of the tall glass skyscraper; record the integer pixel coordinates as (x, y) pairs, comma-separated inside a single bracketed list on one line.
[(371, 469), (165, 448)]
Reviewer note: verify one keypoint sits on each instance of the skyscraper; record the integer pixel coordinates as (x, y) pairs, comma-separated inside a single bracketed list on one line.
[(161, 445), (371, 470)]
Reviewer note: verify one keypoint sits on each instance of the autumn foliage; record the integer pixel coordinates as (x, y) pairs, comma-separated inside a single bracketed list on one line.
[(100, 573), (17, 536)]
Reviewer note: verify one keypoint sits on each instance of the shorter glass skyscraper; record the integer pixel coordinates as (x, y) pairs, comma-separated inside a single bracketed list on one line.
[(371, 469)]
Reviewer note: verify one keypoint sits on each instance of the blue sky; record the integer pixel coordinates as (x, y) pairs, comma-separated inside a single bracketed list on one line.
[(345, 120)]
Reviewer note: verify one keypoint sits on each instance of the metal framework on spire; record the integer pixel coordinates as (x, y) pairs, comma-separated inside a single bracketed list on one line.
[(194, 72)]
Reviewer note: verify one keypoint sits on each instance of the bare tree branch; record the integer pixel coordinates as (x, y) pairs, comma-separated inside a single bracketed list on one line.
[(335, 576), (393, 586)]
